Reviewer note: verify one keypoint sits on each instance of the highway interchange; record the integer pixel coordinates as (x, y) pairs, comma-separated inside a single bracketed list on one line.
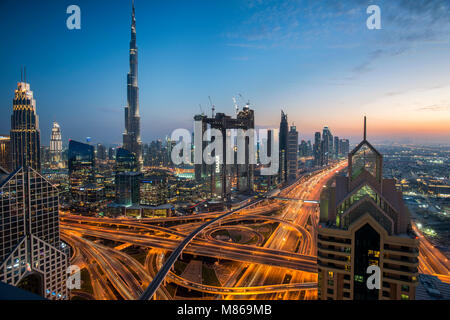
[(279, 264)]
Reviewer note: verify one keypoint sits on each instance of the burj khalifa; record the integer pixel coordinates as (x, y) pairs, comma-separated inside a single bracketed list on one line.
[(132, 135)]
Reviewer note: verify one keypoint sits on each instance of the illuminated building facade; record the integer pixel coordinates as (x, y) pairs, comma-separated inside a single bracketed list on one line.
[(364, 222), (187, 191), (86, 194), (5, 153), (154, 189), (25, 134), (56, 146), (132, 135), (32, 256)]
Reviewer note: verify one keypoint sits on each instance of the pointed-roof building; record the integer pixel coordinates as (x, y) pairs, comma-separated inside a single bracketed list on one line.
[(364, 222), (25, 134)]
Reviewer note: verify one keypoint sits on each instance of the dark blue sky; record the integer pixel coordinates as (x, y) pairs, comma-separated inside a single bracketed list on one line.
[(315, 59)]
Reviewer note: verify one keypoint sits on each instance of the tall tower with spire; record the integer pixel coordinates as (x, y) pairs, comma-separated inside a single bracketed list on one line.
[(132, 135)]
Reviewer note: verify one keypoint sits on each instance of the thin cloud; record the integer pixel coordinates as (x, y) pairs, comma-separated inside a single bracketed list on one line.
[(435, 108)]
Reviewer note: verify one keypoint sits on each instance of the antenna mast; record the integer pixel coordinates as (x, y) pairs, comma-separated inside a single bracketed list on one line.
[(365, 128)]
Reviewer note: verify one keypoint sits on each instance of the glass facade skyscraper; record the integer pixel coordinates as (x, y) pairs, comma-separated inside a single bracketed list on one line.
[(32, 256), (86, 194), (81, 163), (127, 178)]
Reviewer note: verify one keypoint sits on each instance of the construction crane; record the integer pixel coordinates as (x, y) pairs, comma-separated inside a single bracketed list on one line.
[(213, 107), (201, 109), (236, 106)]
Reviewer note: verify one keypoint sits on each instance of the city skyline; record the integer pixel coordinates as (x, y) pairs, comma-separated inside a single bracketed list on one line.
[(260, 217), (179, 70)]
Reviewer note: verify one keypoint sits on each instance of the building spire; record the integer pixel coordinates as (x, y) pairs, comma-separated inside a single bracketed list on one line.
[(133, 19), (365, 128)]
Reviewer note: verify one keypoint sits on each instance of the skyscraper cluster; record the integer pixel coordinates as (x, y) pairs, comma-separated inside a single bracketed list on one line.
[(326, 147)]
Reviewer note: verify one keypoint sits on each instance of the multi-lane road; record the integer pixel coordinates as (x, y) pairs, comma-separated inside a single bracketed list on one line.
[(281, 266)]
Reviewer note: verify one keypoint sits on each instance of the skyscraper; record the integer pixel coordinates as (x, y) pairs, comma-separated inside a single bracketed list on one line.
[(32, 257), (101, 152), (25, 134), (127, 178), (317, 147), (327, 144), (303, 149), (344, 146), (292, 154), (111, 153), (283, 137), (336, 147), (56, 145), (132, 135), (364, 222)]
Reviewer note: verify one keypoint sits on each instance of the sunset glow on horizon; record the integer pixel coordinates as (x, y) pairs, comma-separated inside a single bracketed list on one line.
[(317, 61)]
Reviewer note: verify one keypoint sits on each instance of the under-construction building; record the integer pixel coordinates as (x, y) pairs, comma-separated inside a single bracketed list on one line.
[(220, 176)]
